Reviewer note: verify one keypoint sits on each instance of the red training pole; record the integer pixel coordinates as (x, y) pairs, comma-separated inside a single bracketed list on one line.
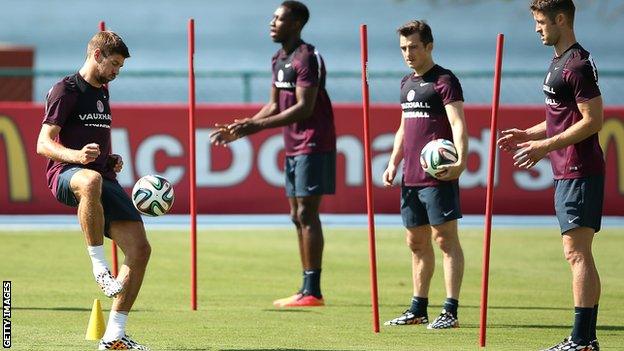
[(490, 189), (192, 180), (113, 245), (369, 184)]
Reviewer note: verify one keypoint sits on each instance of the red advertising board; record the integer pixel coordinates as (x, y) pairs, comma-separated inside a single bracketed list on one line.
[(247, 177)]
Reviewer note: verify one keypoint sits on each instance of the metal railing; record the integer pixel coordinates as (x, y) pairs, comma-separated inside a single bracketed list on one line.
[(519, 86)]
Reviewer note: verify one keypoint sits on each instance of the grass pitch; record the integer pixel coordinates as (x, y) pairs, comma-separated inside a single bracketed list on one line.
[(242, 271)]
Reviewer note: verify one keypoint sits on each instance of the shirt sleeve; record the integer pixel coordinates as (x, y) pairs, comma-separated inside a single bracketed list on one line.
[(582, 77), (308, 70), (59, 105), (449, 88)]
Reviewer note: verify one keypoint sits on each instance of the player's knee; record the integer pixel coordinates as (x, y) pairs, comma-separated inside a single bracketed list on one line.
[(574, 257), (306, 216), (446, 244), (294, 217), (140, 252), (89, 185), (417, 245)]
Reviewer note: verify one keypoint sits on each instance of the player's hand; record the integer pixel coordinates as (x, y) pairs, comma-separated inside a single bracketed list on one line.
[(451, 171), (389, 175), (529, 153), (115, 162), (221, 135), (88, 153), (242, 127), (511, 138)]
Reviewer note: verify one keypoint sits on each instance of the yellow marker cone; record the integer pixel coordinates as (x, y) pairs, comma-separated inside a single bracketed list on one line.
[(96, 327)]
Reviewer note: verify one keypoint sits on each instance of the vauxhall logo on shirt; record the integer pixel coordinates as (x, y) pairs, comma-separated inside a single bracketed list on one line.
[(100, 116), (411, 104), (286, 77), (549, 90)]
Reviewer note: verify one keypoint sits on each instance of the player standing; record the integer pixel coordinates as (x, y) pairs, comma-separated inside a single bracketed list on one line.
[(569, 135), (432, 108), (81, 171), (300, 104)]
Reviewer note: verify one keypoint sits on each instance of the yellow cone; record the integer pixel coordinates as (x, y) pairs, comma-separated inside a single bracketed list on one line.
[(96, 327)]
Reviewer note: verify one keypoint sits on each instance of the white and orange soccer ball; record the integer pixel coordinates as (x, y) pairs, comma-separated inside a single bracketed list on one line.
[(436, 153), (153, 195)]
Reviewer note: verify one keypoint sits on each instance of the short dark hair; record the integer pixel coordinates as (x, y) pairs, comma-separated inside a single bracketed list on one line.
[(298, 10), (417, 26), (551, 8), (109, 43)]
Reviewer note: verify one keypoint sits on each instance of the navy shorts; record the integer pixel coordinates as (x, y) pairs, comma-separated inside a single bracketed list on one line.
[(578, 202), (116, 203), (432, 205), (312, 174)]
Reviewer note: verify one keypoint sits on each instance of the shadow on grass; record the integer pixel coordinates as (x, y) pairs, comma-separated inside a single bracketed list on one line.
[(66, 309), (280, 310), (385, 305), (70, 309), (277, 350), (544, 326)]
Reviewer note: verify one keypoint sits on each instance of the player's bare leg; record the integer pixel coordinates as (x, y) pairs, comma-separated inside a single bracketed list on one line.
[(294, 217), (445, 236), (311, 231), (131, 239), (312, 243), (577, 247), (86, 185), (418, 239), (292, 201)]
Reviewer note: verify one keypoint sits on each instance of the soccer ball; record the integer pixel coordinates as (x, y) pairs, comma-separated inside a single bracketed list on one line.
[(153, 195), (436, 153)]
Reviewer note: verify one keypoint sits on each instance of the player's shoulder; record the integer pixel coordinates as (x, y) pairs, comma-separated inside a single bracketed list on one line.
[(443, 74), (406, 78), (66, 86), (306, 49), (306, 55), (578, 58), (443, 77)]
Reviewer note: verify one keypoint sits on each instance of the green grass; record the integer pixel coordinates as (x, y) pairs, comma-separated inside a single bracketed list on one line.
[(242, 271)]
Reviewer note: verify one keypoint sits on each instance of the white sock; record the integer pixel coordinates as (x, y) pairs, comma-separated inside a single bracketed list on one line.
[(116, 328), (98, 259)]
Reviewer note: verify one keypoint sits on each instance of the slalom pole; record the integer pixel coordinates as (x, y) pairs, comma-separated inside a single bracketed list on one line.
[(369, 185), (192, 177), (490, 189), (113, 245)]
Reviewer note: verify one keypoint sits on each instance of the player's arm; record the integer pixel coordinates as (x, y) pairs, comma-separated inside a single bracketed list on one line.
[(455, 114), (47, 146), (395, 157), (222, 135), (271, 107), (512, 137), (589, 124), (301, 110)]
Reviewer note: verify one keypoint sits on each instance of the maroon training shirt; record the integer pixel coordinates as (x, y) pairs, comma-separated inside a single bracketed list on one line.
[(572, 78), (422, 102), (83, 113), (304, 67)]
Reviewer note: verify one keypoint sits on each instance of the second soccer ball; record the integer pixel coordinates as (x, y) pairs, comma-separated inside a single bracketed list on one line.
[(436, 153)]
